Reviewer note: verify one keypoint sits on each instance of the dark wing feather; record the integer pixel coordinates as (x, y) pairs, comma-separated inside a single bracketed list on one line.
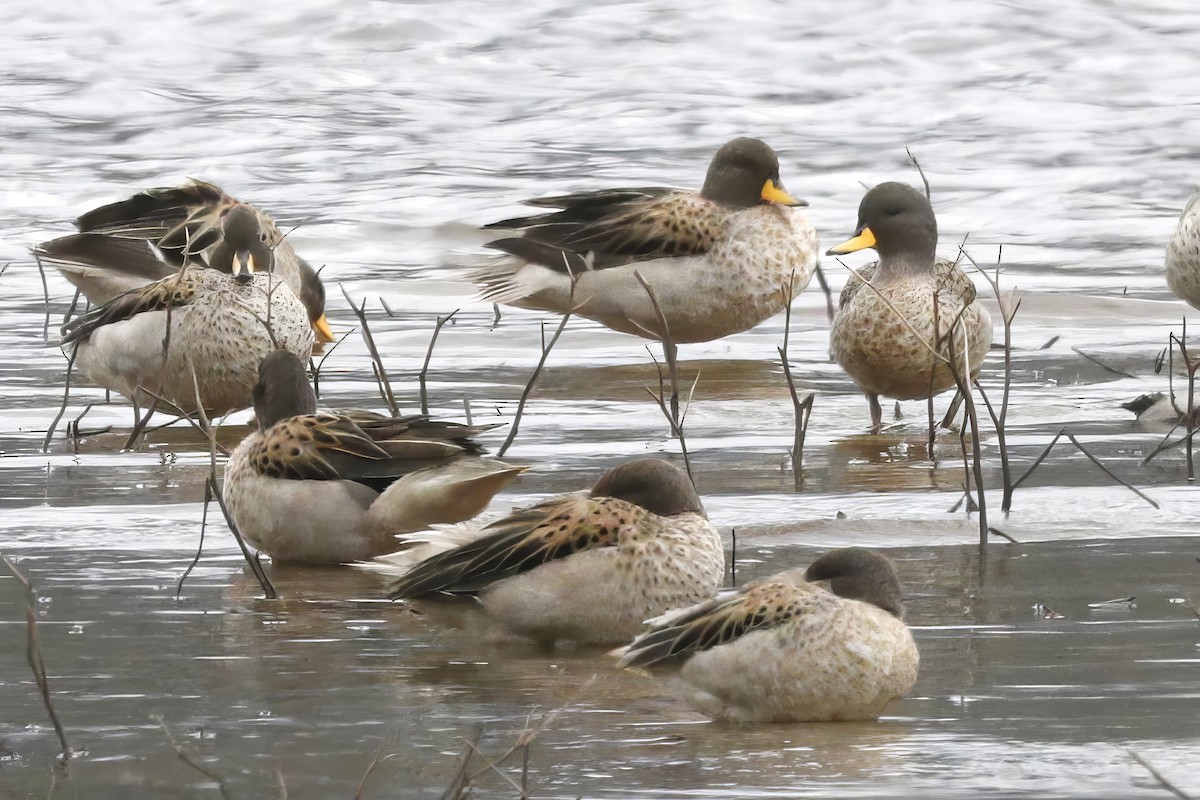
[(616, 226), (182, 221), (724, 618), (89, 252), (173, 292), (521, 541)]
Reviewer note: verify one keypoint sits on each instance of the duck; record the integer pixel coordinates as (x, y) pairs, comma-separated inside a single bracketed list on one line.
[(220, 323), (720, 261), (1183, 254), (181, 225), (790, 649), (882, 335), (324, 488), (585, 567)]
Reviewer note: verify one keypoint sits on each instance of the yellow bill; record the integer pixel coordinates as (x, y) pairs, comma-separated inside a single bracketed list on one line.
[(321, 328), (773, 193), (864, 240)]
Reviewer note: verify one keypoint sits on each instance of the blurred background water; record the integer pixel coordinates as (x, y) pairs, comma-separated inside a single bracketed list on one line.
[(1061, 141)]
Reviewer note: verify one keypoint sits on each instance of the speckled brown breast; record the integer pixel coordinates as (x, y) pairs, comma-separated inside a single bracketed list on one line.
[(886, 348)]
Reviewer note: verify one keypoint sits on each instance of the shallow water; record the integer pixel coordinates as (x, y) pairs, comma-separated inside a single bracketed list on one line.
[(387, 133)]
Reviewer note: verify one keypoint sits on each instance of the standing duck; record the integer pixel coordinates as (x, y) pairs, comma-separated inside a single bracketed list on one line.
[(883, 334), (583, 567), (220, 325), (1183, 254), (330, 488), (184, 224), (719, 261), (786, 649)]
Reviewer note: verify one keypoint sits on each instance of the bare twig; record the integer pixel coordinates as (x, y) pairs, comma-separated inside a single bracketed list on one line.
[(1090, 457), (1002, 535), (211, 490), (1101, 364), (318, 366), (379, 756), (1109, 472), (512, 429), (830, 310), (385, 385), (33, 654), (66, 397), (437, 328), (185, 758), (461, 782), (1158, 776), (45, 296), (1009, 305), (920, 171), (670, 351)]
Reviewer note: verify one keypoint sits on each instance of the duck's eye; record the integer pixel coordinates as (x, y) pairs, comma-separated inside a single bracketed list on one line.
[(262, 237)]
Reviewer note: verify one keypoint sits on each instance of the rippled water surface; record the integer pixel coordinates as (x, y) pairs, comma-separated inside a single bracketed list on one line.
[(1061, 140)]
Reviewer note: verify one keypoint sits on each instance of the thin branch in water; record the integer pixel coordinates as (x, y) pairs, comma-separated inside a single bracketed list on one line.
[(1101, 364), (66, 398), (1158, 776), (45, 296), (33, 654), (920, 171), (385, 385), (512, 429), (379, 756), (316, 368), (437, 328), (801, 408), (386, 308), (185, 758), (200, 545), (1050, 342), (830, 310), (670, 351), (1037, 461), (211, 490), (460, 784), (496, 316), (1090, 457), (1002, 535), (1109, 472)]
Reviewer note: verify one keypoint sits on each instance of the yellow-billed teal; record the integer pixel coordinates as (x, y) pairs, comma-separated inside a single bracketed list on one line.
[(720, 261), (330, 488), (584, 567), (884, 334), (786, 649)]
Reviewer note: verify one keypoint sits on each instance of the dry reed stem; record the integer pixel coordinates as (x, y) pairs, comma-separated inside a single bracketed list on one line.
[(830, 310), (1101, 364), (437, 328), (1158, 776), (733, 557), (920, 172), (33, 654), (546, 348), (1008, 312), (1037, 462), (185, 758), (212, 490), (460, 784), (379, 756), (45, 297), (670, 351), (66, 398), (319, 365), (381, 376)]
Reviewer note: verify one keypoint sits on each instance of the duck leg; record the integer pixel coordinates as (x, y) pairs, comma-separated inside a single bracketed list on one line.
[(876, 413)]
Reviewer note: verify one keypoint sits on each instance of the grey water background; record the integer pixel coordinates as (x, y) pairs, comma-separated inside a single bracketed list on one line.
[(1060, 139)]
